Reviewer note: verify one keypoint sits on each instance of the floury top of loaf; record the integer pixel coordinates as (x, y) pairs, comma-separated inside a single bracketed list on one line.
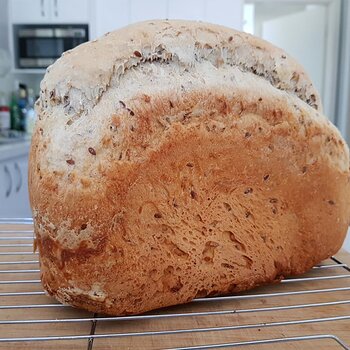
[(184, 44), (175, 159)]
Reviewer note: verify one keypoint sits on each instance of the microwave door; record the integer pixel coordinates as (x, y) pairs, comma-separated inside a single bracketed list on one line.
[(39, 47), (71, 43), (72, 37), (39, 52)]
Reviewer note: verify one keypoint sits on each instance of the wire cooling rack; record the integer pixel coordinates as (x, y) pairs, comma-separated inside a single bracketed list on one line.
[(304, 312)]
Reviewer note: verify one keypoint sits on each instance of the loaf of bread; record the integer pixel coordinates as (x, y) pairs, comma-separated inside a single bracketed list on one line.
[(176, 159)]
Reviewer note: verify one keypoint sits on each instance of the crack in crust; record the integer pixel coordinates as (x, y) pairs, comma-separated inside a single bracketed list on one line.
[(237, 50)]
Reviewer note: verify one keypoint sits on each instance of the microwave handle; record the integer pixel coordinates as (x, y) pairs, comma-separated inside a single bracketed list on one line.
[(56, 7), (42, 7)]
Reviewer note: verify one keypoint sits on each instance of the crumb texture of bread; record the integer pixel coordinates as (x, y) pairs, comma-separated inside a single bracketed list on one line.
[(176, 159)]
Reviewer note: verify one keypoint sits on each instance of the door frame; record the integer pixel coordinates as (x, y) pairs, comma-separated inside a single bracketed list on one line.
[(331, 46), (343, 92)]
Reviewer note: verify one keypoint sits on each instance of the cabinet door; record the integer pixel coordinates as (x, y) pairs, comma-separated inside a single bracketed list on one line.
[(184, 9), (141, 10), (109, 15), (7, 198), (14, 199), (34, 11), (4, 185), (66, 11), (224, 12), (21, 195)]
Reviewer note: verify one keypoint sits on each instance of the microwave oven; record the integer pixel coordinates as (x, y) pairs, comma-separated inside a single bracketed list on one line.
[(38, 46)]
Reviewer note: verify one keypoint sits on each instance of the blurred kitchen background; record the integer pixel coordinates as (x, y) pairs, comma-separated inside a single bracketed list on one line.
[(34, 33)]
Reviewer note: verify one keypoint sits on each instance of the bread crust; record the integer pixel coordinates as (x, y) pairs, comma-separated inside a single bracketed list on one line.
[(180, 179)]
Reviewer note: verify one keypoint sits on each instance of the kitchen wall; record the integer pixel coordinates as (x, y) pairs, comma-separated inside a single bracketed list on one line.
[(309, 31), (9, 82), (343, 90), (265, 11), (3, 22)]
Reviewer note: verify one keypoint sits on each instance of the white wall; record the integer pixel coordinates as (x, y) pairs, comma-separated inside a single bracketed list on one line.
[(343, 105), (343, 93), (302, 35), (5, 82), (265, 11)]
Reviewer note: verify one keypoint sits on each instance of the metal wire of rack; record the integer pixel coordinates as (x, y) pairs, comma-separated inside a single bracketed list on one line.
[(305, 310)]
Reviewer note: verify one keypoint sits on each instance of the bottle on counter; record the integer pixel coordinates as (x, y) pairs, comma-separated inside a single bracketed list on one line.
[(5, 119), (15, 112), (22, 104), (30, 116)]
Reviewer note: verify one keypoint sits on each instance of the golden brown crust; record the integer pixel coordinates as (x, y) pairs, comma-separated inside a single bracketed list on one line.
[(199, 191)]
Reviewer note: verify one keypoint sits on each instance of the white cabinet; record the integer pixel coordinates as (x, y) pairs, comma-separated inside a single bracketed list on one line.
[(184, 9), (225, 12), (150, 9), (5, 186), (66, 11), (20, 166), (14, 199), (113, 14), (109, 15), (228, 13), (34, 11), (49, 11)]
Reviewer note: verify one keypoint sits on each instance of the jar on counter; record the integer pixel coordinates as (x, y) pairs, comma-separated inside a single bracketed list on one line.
[(30, 116), (5, 118)]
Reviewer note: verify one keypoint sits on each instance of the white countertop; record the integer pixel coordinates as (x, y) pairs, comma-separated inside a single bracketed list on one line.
[(14, 149)]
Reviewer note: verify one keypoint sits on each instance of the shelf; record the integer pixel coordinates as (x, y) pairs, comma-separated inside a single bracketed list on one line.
[(29, 71)]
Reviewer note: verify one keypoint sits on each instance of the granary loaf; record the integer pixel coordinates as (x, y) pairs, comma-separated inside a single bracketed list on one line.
[(177, 159)]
